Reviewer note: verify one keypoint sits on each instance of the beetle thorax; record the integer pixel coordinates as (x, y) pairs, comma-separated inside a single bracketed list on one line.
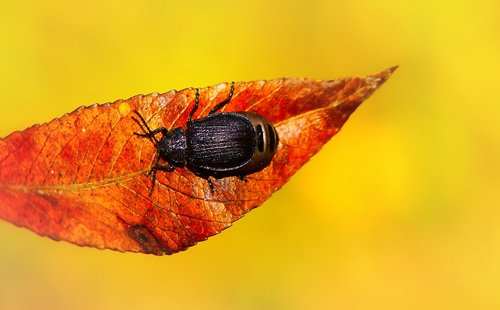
[(172, 147)]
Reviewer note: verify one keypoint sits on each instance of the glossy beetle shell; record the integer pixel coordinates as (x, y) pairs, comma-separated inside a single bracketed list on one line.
[(228, 144), (219, 145)]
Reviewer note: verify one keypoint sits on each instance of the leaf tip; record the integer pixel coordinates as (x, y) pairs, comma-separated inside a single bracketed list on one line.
[(374, 81), (392, 69), (384, 75)]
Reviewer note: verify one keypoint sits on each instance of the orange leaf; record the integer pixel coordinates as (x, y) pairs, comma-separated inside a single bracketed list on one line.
[(82, 177)]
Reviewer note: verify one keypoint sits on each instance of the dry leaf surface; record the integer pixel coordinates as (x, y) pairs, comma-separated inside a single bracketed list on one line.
[(82, 177)]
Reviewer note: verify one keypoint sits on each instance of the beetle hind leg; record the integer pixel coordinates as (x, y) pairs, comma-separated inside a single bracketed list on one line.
[(243, 178)]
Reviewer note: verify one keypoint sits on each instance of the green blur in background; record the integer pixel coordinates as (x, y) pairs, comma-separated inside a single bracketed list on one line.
[(401, 210)]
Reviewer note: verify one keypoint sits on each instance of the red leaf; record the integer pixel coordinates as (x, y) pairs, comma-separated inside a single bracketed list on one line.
[(82, 177)]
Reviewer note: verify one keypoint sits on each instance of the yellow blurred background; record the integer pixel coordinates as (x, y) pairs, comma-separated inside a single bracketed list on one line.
[(401, 210)]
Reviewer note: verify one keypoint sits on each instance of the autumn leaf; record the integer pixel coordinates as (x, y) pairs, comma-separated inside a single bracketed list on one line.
[(82, 177)]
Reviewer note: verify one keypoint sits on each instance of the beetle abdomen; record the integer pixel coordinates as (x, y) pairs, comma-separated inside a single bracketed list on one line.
[(220, 142)]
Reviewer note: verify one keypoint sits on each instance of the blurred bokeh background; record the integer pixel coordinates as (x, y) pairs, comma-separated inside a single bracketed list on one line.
[(401, 210)]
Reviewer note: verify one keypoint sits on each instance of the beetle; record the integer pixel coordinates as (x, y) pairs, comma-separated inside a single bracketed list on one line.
[(219, 145)]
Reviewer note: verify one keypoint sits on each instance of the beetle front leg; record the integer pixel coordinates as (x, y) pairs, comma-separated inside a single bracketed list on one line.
[(167, 168), (155, 169), (153, 133)]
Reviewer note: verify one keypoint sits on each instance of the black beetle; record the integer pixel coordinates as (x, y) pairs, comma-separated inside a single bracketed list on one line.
[(220, 145)]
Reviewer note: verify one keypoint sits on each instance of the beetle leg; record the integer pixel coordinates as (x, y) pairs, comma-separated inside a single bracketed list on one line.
[(210, 184), (157, 160), (203, 176), (242, 177), (167, 168), (151, 134), (196, 102), (221, 104), (155, 169), (153, 181)]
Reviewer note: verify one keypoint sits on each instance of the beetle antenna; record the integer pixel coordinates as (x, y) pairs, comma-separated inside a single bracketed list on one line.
[(150, 133)]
